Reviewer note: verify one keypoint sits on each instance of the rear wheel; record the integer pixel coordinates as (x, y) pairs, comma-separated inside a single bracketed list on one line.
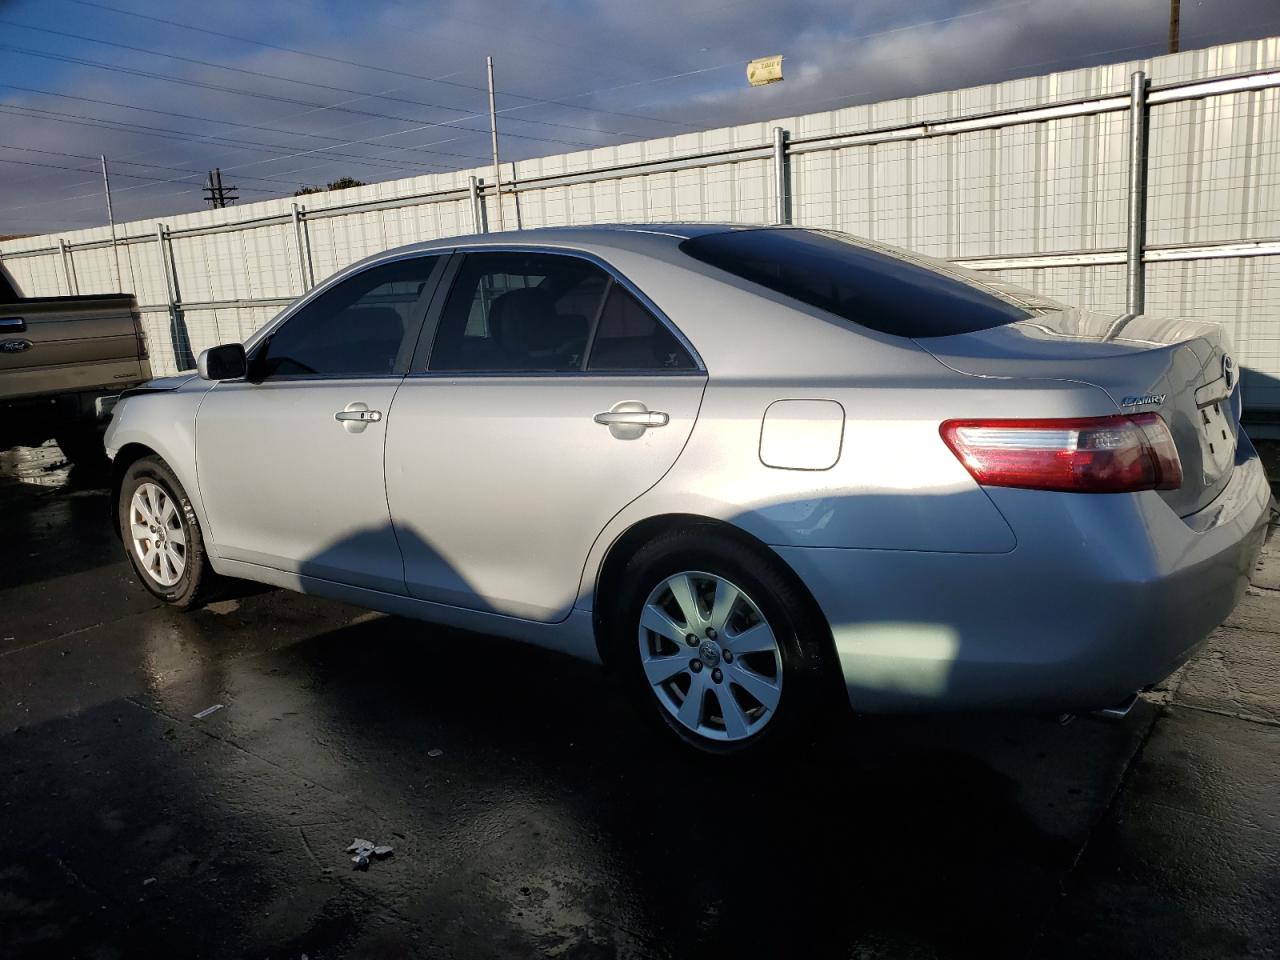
[(717, 644), (161, 534)]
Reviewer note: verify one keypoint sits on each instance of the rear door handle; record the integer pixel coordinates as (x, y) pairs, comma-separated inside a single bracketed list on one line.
[(629, 419), (13, 325), (634, 418)]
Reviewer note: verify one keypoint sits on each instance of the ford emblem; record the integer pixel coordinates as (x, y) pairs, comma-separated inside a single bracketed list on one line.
[(14, 346)]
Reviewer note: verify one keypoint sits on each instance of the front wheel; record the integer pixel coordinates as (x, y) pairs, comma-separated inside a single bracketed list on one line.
[(718, 644), (161, 534)]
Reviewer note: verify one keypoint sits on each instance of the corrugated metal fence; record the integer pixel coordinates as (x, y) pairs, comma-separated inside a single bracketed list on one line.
[(1036, 179)]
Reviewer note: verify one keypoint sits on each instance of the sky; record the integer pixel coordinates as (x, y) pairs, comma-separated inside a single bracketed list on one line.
[(282, 93)]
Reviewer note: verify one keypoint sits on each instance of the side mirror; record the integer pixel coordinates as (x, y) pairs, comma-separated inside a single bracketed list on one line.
[(226, 362)]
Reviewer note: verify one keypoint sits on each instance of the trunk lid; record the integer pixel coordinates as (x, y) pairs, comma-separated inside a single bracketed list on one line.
[(1181, 369)]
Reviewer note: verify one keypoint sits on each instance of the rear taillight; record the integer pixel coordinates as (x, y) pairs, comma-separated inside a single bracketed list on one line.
[(1088, 455)]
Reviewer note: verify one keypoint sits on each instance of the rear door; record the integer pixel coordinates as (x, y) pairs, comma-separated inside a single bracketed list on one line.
[(290, 463), (550, 396)]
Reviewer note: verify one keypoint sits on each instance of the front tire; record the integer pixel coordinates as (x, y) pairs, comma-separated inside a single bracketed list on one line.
[(161, 534), (718, 644)]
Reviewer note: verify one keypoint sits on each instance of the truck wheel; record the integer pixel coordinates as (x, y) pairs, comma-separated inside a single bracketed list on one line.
[(162, 535)]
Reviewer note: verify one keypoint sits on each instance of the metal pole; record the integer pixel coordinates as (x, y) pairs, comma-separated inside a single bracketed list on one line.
[(493, 136), (477, 218), (170, 297), (780, 175), (73, 284), (1175, 25), (111, 219), (1136, 280), (301, 242)]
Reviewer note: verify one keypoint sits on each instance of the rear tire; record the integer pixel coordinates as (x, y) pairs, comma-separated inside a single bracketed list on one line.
[(757, 673), (162, 536)]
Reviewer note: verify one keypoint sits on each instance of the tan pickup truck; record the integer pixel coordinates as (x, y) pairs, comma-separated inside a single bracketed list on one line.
[(63, 363)]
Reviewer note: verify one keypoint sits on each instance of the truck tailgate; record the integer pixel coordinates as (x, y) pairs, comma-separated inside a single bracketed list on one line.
[(68, 344)]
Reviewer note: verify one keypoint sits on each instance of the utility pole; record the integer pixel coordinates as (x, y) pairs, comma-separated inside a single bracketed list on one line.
[(493, 135), (1175, 24), (218, 195), (111, 219)]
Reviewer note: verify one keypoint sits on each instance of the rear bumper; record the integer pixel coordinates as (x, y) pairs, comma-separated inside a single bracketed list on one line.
[(1102, 596)]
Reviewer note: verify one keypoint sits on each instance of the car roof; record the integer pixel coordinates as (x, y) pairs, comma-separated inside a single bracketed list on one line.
[(625, 235)]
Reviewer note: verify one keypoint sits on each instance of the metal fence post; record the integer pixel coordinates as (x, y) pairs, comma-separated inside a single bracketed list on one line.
[(781, 192), (303, 242), (69, 268), (178, 335), (477, 212), (1135, 293)]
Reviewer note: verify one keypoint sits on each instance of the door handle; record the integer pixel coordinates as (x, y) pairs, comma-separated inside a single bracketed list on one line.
[(634, 418), (629, 419), (13, 325), (356, 416)]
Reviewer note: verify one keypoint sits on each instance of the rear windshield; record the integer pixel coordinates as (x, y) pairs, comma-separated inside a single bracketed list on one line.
[(875, 287)]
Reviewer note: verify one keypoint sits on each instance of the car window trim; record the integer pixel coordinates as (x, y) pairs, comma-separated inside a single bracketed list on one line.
[(461, 252), (404, 356)]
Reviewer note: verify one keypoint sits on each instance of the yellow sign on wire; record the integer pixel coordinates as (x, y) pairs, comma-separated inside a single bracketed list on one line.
[(764, 70)]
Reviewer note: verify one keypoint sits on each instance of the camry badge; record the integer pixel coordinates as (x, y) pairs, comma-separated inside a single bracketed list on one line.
[(1153, 398)]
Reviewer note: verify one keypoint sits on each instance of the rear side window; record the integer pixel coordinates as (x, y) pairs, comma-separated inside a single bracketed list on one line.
[(629, 337), (514, 311), (870, 286)]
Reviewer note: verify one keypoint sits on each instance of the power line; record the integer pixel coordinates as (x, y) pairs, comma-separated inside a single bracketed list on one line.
[(128, 163), (309, 83), (202, 119), (171, 134), (534, 101), (130, 176), (201, 84)]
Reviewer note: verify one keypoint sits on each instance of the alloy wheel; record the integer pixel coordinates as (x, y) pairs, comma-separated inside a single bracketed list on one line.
[(710, 656), (159, 540)]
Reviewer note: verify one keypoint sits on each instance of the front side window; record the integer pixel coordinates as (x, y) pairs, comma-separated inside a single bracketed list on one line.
[(359, 328)]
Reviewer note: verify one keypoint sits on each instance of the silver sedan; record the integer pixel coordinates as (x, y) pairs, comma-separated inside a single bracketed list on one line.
[(755, 471)]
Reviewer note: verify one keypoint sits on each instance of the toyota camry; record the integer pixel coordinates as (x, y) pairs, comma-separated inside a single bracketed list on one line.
[(757, 472)]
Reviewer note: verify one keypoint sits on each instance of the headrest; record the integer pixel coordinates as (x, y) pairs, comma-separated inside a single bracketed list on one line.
[(525, 323)]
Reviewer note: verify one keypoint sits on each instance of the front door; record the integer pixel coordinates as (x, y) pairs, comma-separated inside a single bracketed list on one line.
[(550, 399), (290, 462)]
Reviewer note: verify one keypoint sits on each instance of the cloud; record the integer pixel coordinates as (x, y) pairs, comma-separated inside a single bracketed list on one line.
[(646, 69)]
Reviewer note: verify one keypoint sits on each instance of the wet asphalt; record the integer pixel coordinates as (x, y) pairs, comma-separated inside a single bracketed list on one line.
[(530, 814)]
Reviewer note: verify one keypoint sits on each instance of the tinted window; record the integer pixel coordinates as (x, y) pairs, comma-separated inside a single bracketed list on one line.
[(356, 329), (518, 311), (874, 287), (629, 337)]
